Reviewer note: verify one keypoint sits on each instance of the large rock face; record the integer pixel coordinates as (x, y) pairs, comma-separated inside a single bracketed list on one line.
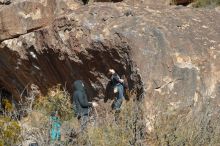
[(170, 54), (21, 17)]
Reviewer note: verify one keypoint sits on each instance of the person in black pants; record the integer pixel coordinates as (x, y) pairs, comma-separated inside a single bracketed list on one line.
[(81, 104), (118, 89)]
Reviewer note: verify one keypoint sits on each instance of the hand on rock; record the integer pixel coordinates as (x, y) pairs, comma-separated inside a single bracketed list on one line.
[(121, 80), (94, 104), (112, 71), (115, 90)]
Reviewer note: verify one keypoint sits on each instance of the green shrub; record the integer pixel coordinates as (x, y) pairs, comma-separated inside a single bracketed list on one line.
[(10, 131), (7, 105), (38, 122), (55, 100)]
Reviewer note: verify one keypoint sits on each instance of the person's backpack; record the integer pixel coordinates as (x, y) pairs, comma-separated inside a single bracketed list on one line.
[(126, 87), (125, 83)]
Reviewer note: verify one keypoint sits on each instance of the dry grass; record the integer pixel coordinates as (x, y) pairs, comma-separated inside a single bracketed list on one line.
[(124, 132), (189, 125), (57, 99), (102, 130), (192, 125), (10, 130)]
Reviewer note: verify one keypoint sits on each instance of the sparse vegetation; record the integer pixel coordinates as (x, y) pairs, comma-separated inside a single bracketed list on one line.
[(206, 3), (128, 130), (187, 125), (7, 105), (56, 100), (10, 130), (101, 131), (181, 126), (37, 121)]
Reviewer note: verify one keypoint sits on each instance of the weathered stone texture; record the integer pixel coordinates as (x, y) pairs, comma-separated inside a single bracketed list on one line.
[(21, 17)]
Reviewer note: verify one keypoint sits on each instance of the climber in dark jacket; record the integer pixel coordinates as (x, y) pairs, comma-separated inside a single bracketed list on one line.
[(118, 89), (81, 104)]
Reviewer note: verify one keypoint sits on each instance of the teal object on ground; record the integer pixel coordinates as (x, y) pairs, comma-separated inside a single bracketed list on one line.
[(55, 133)]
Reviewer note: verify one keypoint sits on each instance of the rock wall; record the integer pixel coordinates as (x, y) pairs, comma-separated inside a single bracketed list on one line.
[(21, 17), (59, 54)]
